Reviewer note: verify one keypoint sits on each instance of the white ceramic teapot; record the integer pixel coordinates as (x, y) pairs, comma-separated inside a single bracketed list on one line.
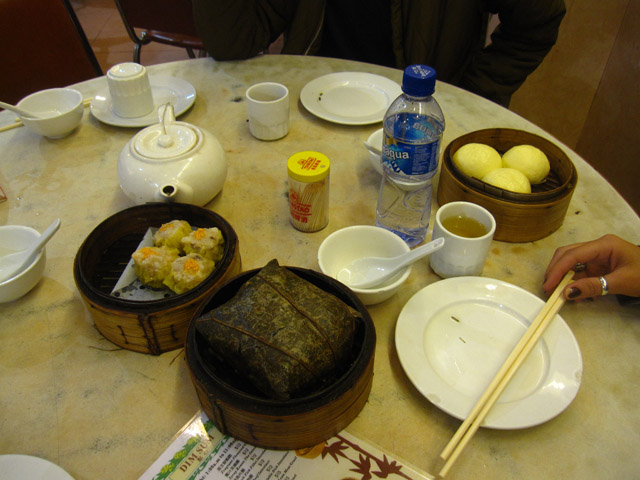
[(172, 162)]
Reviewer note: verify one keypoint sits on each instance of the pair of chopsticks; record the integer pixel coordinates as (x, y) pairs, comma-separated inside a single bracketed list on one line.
[(515, 359), (18, 123)]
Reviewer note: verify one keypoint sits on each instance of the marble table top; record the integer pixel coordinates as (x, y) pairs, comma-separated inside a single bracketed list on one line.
[(72, 397)]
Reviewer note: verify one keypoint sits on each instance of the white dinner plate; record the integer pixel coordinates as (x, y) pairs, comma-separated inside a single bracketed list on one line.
[(454, 335), (21, 467), (164, 89), (350, 98)]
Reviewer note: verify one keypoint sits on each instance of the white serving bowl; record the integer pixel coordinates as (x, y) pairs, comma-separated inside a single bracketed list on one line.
[(350, 243), (61, 107), (14, 238), (375, 140)]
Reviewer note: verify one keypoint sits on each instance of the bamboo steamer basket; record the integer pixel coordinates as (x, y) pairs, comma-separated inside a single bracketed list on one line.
[(520, 217), (239, 410), (154, 326)]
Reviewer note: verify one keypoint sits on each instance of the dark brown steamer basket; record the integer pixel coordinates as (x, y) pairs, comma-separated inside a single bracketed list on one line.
[(149, 326), (237, 409), (520, 217)]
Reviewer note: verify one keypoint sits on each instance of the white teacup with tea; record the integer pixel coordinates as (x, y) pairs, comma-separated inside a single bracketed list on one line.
[(468, 231)]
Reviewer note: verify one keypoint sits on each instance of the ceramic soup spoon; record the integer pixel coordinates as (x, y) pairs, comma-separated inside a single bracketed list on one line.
[(369, 272), (14, 263), (19, 111)]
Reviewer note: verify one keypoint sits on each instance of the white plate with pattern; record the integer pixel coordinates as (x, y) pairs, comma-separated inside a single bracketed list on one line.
[(350, 98), (453, 336)]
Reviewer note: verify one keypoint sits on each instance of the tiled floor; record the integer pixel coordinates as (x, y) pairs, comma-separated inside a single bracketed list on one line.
[(108, 38)]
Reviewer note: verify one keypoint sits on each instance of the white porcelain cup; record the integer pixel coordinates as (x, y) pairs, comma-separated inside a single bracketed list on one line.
[(268, 108), (461, 255), (130, 90)]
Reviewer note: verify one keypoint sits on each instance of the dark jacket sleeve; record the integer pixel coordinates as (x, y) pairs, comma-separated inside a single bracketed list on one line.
[(526, 33), (239, 29)]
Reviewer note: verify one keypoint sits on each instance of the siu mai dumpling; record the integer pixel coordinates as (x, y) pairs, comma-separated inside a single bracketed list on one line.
[(169, 234), (188, 272), (153, 264), (207, 242)]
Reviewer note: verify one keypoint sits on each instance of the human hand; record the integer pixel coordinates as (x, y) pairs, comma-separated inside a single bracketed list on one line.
[(611, 257)]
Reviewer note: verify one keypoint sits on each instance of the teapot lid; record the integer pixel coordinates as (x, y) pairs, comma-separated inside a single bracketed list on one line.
[(165, 141)]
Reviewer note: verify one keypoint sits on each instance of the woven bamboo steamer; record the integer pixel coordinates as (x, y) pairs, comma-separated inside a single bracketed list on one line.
[(520, 217), (145, 326), (238, 410)]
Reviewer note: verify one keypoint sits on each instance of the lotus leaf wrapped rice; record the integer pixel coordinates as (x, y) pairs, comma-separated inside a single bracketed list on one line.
[(207, 242), (153, 264), (169, 234), (282, 333), (188, 272)]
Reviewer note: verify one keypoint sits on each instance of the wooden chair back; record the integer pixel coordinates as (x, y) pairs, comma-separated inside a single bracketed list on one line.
[(43, 46), (164, 21)]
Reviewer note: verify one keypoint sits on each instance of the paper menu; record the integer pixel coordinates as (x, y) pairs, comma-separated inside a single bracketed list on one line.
[(201, 452)]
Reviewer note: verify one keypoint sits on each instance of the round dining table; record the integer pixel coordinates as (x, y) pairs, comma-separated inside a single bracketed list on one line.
[(101, 412)]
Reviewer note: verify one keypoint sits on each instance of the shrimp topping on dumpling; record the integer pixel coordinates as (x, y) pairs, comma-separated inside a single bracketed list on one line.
[(169, 234), (187, 272), (207, 242), (153, 264)]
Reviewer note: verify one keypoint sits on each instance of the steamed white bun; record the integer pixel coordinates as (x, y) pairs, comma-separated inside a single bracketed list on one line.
[(508, 179), (477, 159), (529, 160)]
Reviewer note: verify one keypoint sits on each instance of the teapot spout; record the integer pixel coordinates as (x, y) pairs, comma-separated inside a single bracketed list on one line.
[(173, 193), (166, 193)]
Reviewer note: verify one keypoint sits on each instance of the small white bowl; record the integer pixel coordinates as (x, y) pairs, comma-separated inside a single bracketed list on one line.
[(13, 238), (375, 140), (345, 245), (61, 107)]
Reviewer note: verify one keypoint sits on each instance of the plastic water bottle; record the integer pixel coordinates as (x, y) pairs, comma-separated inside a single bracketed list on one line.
[(413, 127)]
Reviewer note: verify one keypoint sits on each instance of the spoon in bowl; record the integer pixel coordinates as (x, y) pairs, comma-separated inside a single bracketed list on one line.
[(370, 272), (18, 110), (14, 263), (372, 148)]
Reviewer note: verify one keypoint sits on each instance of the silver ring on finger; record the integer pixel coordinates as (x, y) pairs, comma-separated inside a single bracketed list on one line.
[(604, 285)]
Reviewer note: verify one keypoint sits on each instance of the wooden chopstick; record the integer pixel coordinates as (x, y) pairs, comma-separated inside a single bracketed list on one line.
[(18, 123), (515, 359)]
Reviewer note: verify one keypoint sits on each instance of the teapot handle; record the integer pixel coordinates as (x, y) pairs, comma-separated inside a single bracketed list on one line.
[(166, 114)]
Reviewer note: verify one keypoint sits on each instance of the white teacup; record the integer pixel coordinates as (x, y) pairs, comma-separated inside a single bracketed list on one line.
[(467, 240), (130, 90), (268, 108)]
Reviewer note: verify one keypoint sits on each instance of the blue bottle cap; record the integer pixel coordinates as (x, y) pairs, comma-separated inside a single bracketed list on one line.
[(419, 81)]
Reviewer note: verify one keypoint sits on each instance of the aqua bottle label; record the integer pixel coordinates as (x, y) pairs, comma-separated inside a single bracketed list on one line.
[(410, 159), (413, 149)]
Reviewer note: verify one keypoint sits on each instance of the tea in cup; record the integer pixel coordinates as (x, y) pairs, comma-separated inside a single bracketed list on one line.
[(468, 232)]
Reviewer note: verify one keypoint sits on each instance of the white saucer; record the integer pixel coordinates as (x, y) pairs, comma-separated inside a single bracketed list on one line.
[(164, 88), (454, 335), (20, 467), (350, 98)]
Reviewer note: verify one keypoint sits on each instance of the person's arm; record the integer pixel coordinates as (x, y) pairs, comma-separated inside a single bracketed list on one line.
[(239, 29), (611, 257), (526, 33)]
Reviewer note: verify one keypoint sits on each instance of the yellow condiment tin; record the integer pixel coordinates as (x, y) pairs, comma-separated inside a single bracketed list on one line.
[(309, 190)]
